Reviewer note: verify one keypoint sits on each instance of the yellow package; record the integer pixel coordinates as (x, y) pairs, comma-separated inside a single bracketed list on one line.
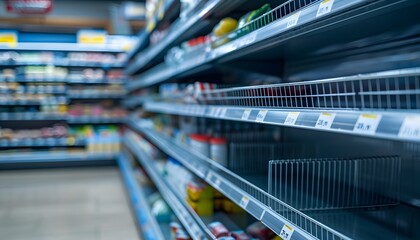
[(203, 207)]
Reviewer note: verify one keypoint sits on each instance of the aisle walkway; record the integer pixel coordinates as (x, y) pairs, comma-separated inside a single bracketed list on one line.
[(64, 204)]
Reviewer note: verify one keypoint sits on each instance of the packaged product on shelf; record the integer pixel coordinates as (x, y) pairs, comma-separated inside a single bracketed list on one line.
[(159, 208), (260, 231), (182, 235), (231, 207), (218, 150), (218, 229), (198, 190), (203, 207), (239, 235), (175, 226), (226, 238), (200, 143), (225, 26)]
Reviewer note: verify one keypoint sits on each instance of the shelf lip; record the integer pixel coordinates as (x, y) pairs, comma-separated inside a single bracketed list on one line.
[(63, 47), (134, 101), (389, 126), (62, 80), (269, 31), (206, 169), (95, 95), (146, 221), (178, 29), (42, 142), (184, 214), (63, 64), (57, 117), (37, 157)]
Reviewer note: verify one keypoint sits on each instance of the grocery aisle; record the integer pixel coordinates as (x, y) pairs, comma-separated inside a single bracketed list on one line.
[(61, 204)]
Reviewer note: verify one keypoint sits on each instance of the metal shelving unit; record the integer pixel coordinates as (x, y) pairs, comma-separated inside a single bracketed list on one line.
[(251, 198), (181, 30), (146, 221), (185, 214), (63, 47), (94, 120), (48, 157), (382, 105), (95, 95), (30, 116), (42, 142), (63, 64), (271, 30)]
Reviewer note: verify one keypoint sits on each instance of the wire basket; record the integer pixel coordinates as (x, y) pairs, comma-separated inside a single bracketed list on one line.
[(273, 15), (322, 184), (399, 89)]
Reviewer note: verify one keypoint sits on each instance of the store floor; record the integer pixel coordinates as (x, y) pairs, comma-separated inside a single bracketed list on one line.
[(64, 204)]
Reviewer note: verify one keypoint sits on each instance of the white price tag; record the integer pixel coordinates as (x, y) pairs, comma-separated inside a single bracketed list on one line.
[(291, 118), (410, 128), (324, 7), (244, 202), (246, 114), (286, 232), (325, 120), (218, 112), (245, 40), (293, 20), (223, 112), (209, 176), (217, 182), (367, 123), (261, 115)]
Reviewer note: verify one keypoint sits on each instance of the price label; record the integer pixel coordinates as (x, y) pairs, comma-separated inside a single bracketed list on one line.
[(293, 20), (291, 118), (243, 41), (261, 115), (91, 36), (286, 232), (217, 182), (324, 7), (218, 112), (223, 112), (325, 120), (244, 202), (245, 114), (9, 38), (410, 128), (209, 176), (367, 123)]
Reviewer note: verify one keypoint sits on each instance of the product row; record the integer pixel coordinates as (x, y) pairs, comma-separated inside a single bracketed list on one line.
[(100, 110), (223, 218), (53, 73), (228, 29), (61, 58), (98, 138), (40, 88)]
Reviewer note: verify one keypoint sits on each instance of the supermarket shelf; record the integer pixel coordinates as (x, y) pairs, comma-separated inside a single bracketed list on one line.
[(179, 32), (62, 64), (42, 142), (395, 125), (62, 47), (33, 103), (252, 199), (30, 116), (141, 43), (145, 219), (99, 81), (35, 80), (189, 219), (169, 12), (135, 101), (279, 32), (62, 80), (97, 95), (46, 156), (94, 120)]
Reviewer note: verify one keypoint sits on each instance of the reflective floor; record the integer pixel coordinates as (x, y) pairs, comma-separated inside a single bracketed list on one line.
[(61, 204)]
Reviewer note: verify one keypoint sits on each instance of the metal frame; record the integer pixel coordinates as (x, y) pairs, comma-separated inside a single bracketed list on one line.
[(145, 219), (190, 220), (254, 200)]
